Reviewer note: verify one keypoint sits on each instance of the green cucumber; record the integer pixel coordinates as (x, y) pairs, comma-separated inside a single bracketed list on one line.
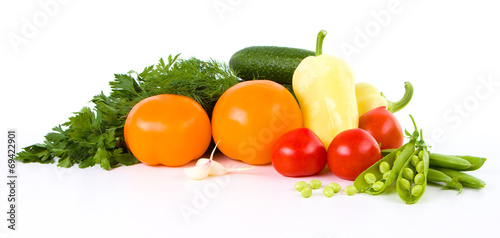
[(268, 62)]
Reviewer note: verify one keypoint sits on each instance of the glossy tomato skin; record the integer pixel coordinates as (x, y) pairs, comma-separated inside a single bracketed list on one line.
[(383, 126), (250, 116), (351, 152), (298, 153), (167, 129)]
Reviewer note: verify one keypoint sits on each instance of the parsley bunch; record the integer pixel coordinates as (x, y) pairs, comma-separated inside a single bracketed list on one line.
[(95, 136)]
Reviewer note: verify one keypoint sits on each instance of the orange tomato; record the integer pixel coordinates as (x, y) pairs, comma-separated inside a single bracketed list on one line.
[(250, 116), (167, 129)]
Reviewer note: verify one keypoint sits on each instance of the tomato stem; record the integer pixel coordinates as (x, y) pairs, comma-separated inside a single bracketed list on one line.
[(319, 42), (396, 106)]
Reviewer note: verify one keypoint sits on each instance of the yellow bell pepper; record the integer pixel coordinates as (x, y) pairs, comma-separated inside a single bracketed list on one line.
[(324, 87), (368, 97)]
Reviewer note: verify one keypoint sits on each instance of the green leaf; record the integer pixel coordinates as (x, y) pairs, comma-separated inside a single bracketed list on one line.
[(44, 155), (109, 139), (126, 159), (55, 137), (59, 152), (102, 157), (88, 162), (97, 121), (407, 133), (145, 71), (162, 63), (65, 163), (80, 125), (124, 86), (37, 153), (107, 108)]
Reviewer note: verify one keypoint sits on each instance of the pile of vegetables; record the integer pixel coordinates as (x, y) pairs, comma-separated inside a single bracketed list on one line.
[(96, 136), (295, 109)]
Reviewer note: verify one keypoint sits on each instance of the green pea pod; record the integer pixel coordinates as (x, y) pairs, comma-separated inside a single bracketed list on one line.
[(476, 162), (434, 175), (405, 151), (437, 176), (454, 184), (448, 161), (465, 179), (386, 151), (409, 188)]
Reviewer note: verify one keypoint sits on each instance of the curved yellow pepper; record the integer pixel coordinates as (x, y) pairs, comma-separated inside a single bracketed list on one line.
[(324, 87), (368, 97)]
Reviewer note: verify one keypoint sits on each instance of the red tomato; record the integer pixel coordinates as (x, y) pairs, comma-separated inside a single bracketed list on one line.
[(167, 129), (250, 116), (383, 126), (352, 152), (298, 153)]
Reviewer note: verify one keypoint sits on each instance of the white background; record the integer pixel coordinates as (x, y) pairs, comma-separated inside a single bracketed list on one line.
[(444, 48)]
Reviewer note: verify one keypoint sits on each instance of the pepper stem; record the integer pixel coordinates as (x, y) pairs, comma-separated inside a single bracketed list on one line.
[(319, 42), (396, 106)]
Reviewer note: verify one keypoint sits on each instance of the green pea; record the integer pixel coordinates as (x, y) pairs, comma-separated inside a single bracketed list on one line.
[(350, 190), (386, 175), (404, 184), (419, 179), (315, 184), (421, 154), (417, 190), (306, 192), (384, 167), (408, 173), (414, 160), (420, 167), (377, 186), (300, 185), (370, 178), (410, 192), (336, 187), (328, 191)]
